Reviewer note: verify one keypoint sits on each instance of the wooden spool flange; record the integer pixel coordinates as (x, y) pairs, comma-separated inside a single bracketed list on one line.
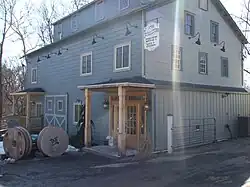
[(17, 143), (52, 141)]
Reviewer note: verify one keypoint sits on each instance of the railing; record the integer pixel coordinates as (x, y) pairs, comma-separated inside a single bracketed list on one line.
[(194, 132), (35, 126)]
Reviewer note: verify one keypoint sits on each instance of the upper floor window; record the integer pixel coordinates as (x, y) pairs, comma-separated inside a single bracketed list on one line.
[(176, 52), (99, 10), (189, 23), (123, 4), (74, 23), (203, 61), (122, 57), (86, 64), (214, 32), (203, 4), (224, 67), (59, 31), (34, 75)]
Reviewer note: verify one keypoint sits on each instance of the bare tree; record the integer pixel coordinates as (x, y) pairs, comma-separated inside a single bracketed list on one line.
[(22, 26), (77, 4), (47, 15), (6, 14), (13, 81)]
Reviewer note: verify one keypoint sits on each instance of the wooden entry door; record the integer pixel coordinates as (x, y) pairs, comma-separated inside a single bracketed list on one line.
[(132, 122)]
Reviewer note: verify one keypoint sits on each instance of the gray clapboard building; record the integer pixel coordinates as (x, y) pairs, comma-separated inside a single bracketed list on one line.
[(192, 69)]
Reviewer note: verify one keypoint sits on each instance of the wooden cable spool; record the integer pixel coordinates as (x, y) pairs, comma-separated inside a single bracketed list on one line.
[(52, 141), (17, 143)]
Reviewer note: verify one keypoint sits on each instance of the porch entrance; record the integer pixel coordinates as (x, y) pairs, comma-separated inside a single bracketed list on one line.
[(128, 104), (134, 122)]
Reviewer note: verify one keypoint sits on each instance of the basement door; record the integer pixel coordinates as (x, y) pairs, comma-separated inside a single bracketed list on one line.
[(56, 111)]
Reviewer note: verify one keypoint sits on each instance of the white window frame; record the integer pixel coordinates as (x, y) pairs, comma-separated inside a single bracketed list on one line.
[(123, 7), (74, 112), (31, 76), (189, 25), (74, 19), (201, 62), (57, 105), (49, 101), (60, 32), (38, 103), (83, 55), (200, 5), (176, 62), (96, 4), (129, 58)]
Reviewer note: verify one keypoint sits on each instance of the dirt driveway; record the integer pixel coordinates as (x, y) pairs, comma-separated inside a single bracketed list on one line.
[(222, 164)]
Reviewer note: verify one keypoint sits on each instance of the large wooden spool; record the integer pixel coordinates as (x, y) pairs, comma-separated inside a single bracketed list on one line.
[(52, 141), (17, 143)]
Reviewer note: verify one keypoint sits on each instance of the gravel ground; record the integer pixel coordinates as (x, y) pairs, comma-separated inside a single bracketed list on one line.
[(217, 165)]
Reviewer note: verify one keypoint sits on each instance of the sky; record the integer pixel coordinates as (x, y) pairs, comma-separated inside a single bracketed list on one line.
[(233, 6)]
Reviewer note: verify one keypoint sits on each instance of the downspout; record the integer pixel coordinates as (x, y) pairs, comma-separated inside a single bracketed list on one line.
[(143, 51), (242, 65)]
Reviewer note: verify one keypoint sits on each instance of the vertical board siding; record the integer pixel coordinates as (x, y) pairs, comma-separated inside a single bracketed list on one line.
[(187, 104)]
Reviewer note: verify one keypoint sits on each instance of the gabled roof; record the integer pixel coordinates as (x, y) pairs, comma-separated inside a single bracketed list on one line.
[(217, 3), (229, 20)]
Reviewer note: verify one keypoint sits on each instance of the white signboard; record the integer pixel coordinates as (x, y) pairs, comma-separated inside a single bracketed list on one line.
[(151, 36)]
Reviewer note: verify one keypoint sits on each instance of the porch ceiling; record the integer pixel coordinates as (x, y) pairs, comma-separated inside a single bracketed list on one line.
[(137, 83)]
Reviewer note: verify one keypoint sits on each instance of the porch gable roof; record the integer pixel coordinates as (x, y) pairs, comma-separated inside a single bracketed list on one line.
[(136, 81)]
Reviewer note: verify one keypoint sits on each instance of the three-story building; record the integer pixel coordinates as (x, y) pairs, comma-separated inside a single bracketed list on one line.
[(195, 71)]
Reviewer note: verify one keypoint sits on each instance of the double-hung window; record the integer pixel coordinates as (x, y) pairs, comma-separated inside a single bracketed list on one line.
[(224, 67), (214, 32), (189, 24), (203, 60), (122, 57), (203, 4), (86, 64), (99, 10), (176, 52)]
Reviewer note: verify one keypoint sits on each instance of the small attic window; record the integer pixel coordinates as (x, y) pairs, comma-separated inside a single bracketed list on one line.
[(203, 4), (74, 23)]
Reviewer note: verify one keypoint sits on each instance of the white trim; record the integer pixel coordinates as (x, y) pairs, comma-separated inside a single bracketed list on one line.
[(85, 55), (74, 114), (125, 84), (124, 7), (103, 16), (49, 101), (31, 76), (57, 105), (129, 59)]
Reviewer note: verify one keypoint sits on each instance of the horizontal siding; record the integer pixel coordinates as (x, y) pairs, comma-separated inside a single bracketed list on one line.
[(196, 105), (86, 17), (61, 74)]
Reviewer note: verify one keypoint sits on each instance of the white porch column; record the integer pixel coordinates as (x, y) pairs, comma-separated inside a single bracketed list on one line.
[(121, 131), (87, 129), (170, 133)]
